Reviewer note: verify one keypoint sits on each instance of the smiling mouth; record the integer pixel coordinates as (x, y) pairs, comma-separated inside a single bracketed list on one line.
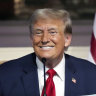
[(46, 47)]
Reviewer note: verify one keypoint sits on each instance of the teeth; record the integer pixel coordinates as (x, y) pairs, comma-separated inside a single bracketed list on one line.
[(46, 48)]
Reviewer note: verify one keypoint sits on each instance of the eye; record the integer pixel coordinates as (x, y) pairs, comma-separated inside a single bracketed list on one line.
[(38, 33), (53, 33)]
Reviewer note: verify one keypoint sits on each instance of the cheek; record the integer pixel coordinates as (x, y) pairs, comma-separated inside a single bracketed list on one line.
[(36, 40), (59, 40)]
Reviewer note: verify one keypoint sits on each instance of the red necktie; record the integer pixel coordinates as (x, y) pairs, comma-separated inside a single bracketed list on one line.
[(50, 87)]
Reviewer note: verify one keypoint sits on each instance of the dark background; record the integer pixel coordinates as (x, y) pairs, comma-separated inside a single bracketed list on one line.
[(22, 9)]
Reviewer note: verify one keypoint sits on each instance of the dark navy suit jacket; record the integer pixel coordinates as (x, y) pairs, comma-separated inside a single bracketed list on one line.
[(20, 77)]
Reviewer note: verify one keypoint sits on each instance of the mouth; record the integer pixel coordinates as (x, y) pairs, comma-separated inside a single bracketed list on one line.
[(46, 47)]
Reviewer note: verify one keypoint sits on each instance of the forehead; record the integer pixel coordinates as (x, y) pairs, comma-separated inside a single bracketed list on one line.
[(48, 23)]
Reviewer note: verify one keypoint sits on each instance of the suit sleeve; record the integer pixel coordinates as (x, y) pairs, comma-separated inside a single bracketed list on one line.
[(1, 90)]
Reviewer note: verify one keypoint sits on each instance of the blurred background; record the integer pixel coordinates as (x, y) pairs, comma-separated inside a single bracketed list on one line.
[(15, 14)]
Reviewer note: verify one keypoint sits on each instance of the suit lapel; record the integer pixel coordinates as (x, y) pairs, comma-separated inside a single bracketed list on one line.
[(30, 79), (31, 85), (71, 77)]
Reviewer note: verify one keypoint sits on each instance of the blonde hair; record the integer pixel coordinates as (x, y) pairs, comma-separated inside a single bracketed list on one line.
[(48, 13)]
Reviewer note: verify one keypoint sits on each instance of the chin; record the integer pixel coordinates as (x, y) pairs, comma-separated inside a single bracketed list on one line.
[(46, 56)]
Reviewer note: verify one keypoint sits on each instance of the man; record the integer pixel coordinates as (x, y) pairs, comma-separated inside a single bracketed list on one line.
[(50, 33)]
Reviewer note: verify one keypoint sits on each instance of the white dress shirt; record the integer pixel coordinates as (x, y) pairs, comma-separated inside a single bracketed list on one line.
[(59, 79)]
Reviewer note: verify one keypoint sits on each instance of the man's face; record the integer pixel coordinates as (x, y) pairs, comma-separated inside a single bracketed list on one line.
[(48, 39)]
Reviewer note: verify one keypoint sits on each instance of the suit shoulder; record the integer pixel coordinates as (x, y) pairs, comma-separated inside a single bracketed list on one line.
[(16, 64), (80, 62)]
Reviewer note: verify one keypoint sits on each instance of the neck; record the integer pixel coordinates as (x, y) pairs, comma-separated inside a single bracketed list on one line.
[(51, 63)]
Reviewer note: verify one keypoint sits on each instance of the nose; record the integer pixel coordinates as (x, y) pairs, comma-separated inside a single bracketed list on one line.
[(45, 38)]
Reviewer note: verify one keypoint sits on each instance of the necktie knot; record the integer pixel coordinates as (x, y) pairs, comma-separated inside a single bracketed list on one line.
[(51, 73)]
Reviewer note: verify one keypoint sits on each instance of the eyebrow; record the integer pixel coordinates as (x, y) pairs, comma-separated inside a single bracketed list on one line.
[(37, 29), (51, 29)]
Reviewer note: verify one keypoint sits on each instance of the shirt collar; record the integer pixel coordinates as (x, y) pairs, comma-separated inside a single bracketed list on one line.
[(60, 68)]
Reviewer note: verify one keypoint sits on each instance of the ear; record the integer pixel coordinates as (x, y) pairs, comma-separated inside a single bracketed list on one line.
[(68, 38)]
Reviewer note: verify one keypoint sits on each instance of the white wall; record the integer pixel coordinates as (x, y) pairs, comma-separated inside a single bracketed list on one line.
[(9, 53)]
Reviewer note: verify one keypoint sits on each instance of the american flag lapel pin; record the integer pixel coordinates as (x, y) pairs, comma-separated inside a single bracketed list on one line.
[(73, 80)]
